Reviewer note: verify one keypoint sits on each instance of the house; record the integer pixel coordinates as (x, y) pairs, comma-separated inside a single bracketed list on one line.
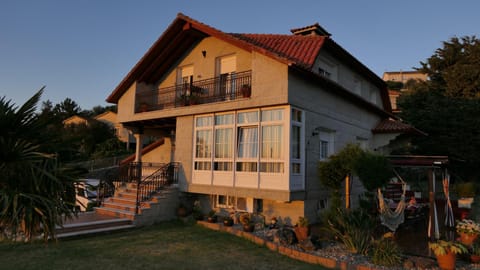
[(249, 116), (75, 120), (123, 134), (403, 78)]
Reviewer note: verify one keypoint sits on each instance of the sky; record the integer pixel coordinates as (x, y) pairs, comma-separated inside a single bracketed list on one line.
[(82, 49)]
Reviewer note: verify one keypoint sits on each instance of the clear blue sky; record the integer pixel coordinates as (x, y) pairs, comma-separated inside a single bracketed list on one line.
[(82, 49)]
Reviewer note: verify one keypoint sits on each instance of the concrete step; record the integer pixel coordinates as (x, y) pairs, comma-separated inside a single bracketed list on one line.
[(121, 200), (112, 212), (121, 206), (82, 226), (127, 195), (95, 231)]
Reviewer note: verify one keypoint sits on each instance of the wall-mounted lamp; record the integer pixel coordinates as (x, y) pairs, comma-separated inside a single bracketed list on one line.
[(204, 53)]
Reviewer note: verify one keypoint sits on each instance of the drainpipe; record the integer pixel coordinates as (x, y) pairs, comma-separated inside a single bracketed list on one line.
[(348, 180)]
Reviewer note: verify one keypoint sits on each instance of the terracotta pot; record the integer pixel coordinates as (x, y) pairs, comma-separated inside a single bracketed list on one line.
[(248, 227), (228, 222), (301, 233), (182, 212), (212, 219), (447, 261), (467, 239), (475, 258)]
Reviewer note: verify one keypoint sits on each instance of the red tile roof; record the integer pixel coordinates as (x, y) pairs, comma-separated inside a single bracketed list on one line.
[(302, 50), (297, 51), (395, 126)]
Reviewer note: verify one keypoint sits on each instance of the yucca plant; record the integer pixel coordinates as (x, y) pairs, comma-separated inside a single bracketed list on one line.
[(353, 228), (386, 252), (35, 192)]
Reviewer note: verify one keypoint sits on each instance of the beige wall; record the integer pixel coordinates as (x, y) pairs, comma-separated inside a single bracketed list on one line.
[(404, 76), (286, 212), (183, 149), (160, 154), (204, 67), (269, 82)]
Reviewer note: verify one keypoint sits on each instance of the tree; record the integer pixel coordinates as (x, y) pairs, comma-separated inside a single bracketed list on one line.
[(35, 190), (447, 106), (454, 69)]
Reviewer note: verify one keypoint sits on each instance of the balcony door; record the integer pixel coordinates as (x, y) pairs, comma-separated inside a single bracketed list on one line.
[(184, 79), (226, 68)]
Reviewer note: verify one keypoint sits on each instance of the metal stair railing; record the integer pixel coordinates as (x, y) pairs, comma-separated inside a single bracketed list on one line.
[(164, 176)]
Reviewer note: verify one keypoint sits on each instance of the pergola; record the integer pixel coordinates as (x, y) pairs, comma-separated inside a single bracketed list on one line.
[(432, 164)]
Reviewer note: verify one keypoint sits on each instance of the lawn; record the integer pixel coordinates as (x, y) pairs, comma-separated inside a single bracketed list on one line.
[(172, 245)]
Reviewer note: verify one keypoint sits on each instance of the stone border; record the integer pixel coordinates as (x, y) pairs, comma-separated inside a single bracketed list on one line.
[(286, 251)]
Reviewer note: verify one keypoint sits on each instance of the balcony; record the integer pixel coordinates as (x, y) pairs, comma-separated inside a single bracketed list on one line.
[(218, 89)]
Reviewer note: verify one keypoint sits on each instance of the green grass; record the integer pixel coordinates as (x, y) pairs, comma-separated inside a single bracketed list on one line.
[(171, 245)]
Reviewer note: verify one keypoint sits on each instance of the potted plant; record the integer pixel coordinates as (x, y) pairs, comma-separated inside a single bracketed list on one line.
[(301, 229), (247, 223), (228, 221), (181, 210), (246, 90), (446, 252), (212, 216), (197, 211), (468, 231), (475, 252)]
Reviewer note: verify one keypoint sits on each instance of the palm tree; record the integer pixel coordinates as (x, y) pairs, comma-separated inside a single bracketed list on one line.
[(36, 193)]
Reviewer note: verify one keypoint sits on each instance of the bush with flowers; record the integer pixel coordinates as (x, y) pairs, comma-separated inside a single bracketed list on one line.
[(468, 226)]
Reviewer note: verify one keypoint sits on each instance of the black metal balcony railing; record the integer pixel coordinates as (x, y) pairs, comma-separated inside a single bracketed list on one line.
[(224, 87)]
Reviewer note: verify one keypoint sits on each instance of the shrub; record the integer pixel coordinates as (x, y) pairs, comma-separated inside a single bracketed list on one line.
[(386, 252), (353, 228), (373, 170)]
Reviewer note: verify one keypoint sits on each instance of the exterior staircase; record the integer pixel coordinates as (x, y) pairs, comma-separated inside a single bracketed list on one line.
[(158, 198), (161, 206)]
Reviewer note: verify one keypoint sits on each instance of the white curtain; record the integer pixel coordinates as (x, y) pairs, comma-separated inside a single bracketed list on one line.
[(272, 142), (248, 142), (223, 143), (203, 144)]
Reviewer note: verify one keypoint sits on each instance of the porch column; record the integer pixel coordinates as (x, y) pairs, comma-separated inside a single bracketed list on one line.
[(139, 146)]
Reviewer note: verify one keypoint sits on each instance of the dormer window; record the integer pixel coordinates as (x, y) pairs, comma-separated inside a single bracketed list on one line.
[(323, 72)]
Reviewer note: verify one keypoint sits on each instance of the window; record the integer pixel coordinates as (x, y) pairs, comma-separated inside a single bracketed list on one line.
[(226, 68), (363, 143), (296, 141), (223, 142), (271, 142), (357, 86), (247, 141), (247, 149), (203, 143), (326, 144)]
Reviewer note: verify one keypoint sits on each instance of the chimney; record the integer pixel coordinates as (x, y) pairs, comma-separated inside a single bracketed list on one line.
[(311, 30)]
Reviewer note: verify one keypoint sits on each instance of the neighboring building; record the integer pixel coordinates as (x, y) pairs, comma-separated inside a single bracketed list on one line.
[(123, 134), (249, 116), (75, 120), (404, 76), (401, 77)]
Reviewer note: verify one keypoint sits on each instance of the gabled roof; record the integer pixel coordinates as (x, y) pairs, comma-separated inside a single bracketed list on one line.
[(297, 51)]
